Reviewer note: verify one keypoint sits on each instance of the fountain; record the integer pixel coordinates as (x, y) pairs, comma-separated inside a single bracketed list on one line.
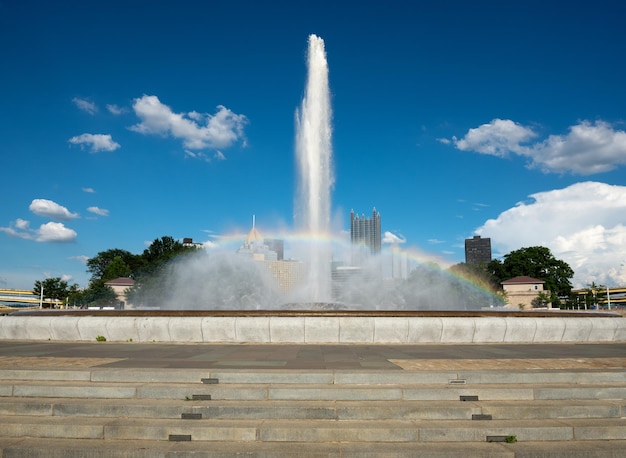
[(313, 151), (232, 300)]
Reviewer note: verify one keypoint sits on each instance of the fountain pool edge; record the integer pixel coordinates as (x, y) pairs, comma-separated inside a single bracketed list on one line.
[(314, 327)]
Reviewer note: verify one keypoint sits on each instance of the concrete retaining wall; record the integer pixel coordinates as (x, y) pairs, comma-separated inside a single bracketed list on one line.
[(314, 329)]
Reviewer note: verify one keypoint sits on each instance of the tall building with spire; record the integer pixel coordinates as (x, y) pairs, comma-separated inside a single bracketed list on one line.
[(255, 247), (289, 274)]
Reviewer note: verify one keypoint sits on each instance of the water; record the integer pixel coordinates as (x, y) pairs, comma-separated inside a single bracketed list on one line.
[(314, 158), (227, 281)]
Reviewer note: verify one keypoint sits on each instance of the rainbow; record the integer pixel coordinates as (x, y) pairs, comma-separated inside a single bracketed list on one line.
[(341, 248)]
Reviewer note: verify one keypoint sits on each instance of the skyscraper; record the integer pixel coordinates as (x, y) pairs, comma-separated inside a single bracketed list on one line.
[(365, 235), (477, 250)]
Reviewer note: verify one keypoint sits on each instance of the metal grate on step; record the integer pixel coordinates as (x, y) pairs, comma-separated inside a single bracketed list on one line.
[(179, 437), (210, 381), (481, 417), (191, 416), (468, 398), (497, 438), (458, 381), (200, 397)]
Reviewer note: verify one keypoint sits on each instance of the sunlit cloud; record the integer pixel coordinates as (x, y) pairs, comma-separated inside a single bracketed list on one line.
[(116, 110), (498, 138), (50, 209), (390, 237), (55, 232), (85, 105), (198, 131), (98, 211), (583, 224), (588, 148), (95, 142), (81, 258), (48, 232)]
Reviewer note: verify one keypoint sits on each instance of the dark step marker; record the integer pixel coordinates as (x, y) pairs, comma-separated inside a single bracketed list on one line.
[(496, 438), (481, 417), (210, 381), (468, 398), (191, 416), (179, 437), (458, 381), (201, 397)]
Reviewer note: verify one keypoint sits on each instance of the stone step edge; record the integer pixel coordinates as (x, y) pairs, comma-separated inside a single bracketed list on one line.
[(264, 423), (331, 377), (341, 411), (320, 386), (61, 448)]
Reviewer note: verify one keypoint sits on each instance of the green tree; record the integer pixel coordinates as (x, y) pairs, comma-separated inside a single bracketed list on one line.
[(97, 294), (594, 291), (163, 250), (115, 269), (54, 288), (537, 262), (542, 300), (100, 265), (151, 281)]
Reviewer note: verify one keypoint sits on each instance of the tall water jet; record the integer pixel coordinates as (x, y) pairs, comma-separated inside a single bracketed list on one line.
[(315, 179)]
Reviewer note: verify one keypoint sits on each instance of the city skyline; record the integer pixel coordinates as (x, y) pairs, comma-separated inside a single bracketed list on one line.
[(126, 122)]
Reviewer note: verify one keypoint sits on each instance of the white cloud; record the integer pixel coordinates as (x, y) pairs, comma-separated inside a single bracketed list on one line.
[(209, 245), (85, 105), (197, 155), (390, 237), (98, 211), (55, 232), (89, 190), (196, 130), (116, 110), (21, 224), (50, 209), (498, 138), (588, 148), (583, 224), (18, 229), (96, 142), (81, 258), (48, 232)]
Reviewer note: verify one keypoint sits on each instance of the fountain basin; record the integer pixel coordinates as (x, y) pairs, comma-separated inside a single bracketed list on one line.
[(315, 327)]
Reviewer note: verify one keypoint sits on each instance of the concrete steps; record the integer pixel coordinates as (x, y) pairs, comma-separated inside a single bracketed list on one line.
[(312, 392), (156, 413), (313, 410), (72, 448)]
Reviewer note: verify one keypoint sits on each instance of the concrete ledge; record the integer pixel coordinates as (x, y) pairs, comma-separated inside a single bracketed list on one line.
[(315, 329)]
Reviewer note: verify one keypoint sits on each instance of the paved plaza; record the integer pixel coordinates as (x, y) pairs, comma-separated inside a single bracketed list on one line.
[(38, 354)]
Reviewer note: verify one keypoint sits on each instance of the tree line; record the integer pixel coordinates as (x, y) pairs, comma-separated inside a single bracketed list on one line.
[(111, 264)]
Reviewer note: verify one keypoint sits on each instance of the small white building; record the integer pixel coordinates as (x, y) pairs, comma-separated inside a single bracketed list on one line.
[(522, 291), (119, 287)]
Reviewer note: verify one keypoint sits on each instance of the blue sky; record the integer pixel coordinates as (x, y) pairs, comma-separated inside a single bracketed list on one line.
[(126, 121)]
